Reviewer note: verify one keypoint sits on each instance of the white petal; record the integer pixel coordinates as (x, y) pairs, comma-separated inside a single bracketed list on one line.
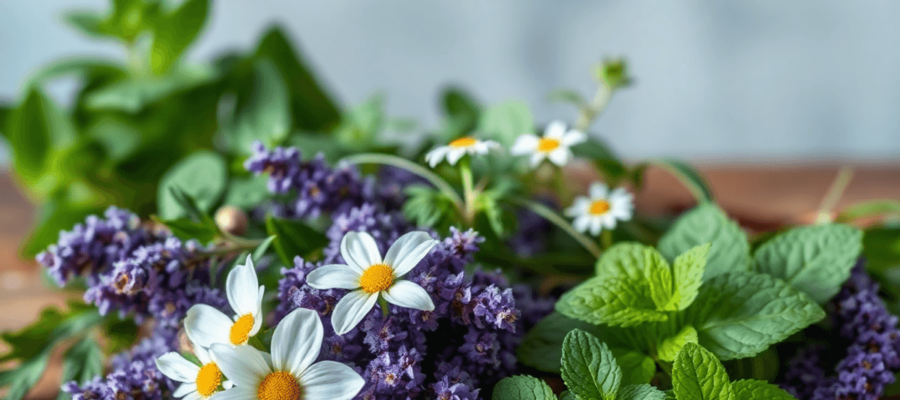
[(434, 157), (258, 314), (407, 251), (454, 155), (237, 393), (360, 250), (193, 396), (352, 309), (334, 276), (241, 288), (202, 353), (609, 221), (555, 130), (330, 380), (560, 156), (185, 388), (177, 367), (409, 295), (596, 226), (205, 325), (245, 366), (598, 191), (573, 137), (536, 159), (582, 223), (297, 341), (525, 144), (578, 206), (227, 384)]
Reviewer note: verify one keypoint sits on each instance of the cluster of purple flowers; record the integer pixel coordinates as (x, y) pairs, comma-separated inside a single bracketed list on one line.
[(872, 341)]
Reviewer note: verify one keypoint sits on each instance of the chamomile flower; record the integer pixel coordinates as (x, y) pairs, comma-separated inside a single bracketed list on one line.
[(601, 209), (458, 148), (206, 325), (369, 275), (197, 382), (554, 145), (290, 373)]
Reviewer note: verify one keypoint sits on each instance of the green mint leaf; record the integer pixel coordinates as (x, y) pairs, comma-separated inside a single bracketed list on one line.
[(175, 31), (506, 121), (589, 369), (668, 349), (637, 367), (567, 395), (698, 375), (688, 272), (201, 177), (522, 387), (662, 285), (740, 314), (706, 223), (624, 259), (758, 390), (814, 259), (542, 346), (611, 301), (263, 110), (294, 238), (640, 392), (132, 95)]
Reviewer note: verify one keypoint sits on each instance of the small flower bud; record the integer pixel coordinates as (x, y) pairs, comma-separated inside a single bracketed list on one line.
[(232, 220), (613, 72)]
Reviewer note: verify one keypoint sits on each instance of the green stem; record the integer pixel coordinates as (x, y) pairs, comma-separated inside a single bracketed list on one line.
[(835, 192), (384, 306), (597, 105), (394, 161), (465, 172), (554, 218), (606, 239)]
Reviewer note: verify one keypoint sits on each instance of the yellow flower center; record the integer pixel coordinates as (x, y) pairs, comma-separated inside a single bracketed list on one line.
[(376, 278), (208, 379), (463, 142), (599, 207), (280, 385), (240, 331), (546, 145)]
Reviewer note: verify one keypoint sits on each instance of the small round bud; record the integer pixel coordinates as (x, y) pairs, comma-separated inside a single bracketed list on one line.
[(232, 220), (613, 72)]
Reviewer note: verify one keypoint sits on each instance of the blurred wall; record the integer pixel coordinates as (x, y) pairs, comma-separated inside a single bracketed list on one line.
[(732, 81)]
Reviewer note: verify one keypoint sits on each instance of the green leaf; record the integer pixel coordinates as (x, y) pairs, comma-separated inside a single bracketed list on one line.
[(881, 247), (637, 367), (589, 368), (688, 273), (522, 387), (707, 223), (264, 113), (869, 209), (740, 314), (461, 113), (312, 108), (187, 229), (263, 247), (428, 207), (814, 259), (641, 392), (505, 122), (134, 94), (568, 96), (758, 390), (83, 68), (81, 363), (53, 217), (688, 176), (246, 192), (604, 159), (541, 348), (624, 259), (662, 284), (175, 31), (668, 349), (294, 238), (567, 395), (21, 379), (611, 301), (34, 129), (361, 125), (698, 375), (202, 176)]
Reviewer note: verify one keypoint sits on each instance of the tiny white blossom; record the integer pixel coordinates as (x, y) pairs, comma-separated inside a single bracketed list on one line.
[(458, 148), (554, 145), (601, 209), (197, 381), (206, 325)]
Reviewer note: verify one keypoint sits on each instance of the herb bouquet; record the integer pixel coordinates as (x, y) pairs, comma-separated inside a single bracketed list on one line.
[(277, 263)]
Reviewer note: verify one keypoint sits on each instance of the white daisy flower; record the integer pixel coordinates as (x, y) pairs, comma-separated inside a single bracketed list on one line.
[(369, 276), (458, 148), (206, 325), (601, 210), (553, 146), (197, 382), (289, 373)]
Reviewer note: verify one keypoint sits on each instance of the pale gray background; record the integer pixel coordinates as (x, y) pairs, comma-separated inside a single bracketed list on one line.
[(717, 80)]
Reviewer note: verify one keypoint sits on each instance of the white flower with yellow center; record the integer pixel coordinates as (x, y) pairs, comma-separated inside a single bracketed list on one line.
[(601, 210), (206, 325), (369, 276), (554, 145), (458, 148), (289, 374), (198, 382)]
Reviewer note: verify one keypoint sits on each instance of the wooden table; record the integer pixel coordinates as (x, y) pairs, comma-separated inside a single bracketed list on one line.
[(761, 197)]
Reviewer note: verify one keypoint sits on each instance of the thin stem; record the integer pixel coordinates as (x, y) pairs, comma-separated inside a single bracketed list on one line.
[(465, 172), (597, 105), (394, 161), (554, 218), (384, 306), (834, 194), (606, 239)]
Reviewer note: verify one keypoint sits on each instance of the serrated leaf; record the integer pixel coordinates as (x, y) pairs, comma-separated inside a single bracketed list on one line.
[(426, 206), (637, 367), (669, 347), (611, 301), (541, 348), (294, 238), (813, 259), (688, 271), (522, 387), (707, 223), (698, 375), (589, 369), (202, 176), (81, 363), (624, 259), (640, 392), (740, 314), (662, 285), (758, 390)]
